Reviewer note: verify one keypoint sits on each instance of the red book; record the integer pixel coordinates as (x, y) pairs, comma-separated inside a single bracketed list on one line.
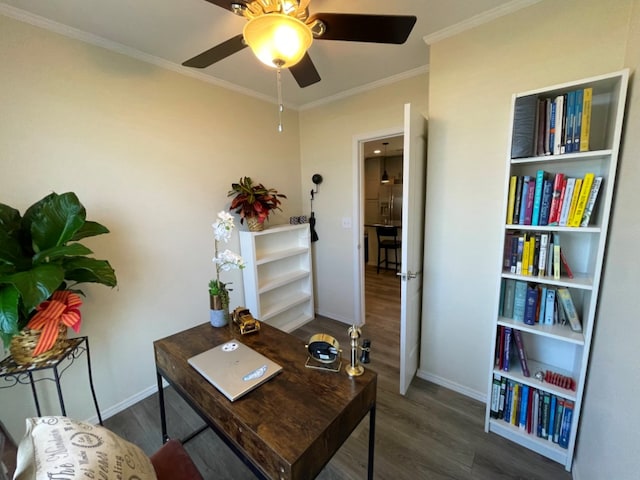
[(565, 264), (554, 211)]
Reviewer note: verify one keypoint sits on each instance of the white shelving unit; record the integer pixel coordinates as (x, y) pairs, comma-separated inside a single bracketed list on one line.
[(557, 347), (278, 282)]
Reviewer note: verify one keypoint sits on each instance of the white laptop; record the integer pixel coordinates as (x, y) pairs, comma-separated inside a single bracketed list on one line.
[(234, 369)]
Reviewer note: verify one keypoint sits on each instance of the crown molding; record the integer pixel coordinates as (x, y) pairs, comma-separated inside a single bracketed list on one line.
[(98, 41), (478, 20), (369, 86)]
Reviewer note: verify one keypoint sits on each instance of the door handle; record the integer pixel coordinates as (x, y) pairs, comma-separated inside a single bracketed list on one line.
[(407, 276)]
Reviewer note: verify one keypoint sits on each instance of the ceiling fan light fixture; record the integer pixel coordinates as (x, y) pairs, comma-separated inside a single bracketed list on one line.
[(277, 40)]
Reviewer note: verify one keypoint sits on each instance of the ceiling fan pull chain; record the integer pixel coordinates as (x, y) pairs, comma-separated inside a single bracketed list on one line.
[(280, 105)]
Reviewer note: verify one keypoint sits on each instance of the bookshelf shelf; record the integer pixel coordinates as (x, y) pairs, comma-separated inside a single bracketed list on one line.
[(277, 280), (549, 344)]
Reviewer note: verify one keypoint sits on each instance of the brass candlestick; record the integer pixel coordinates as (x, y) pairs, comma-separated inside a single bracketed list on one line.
[(354, 369)]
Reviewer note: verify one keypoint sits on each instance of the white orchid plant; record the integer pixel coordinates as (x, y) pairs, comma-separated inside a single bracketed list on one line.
[(224, 260)]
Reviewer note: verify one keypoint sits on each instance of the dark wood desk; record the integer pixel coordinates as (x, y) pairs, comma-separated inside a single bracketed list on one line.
[(289, 427)]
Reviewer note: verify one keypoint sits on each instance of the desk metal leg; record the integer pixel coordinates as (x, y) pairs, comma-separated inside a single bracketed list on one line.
[(35, 394), (93, 392), (372, 439), (163, 417)]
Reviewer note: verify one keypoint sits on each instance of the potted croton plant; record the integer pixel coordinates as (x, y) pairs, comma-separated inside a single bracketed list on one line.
[(41, 265), (254, 202)]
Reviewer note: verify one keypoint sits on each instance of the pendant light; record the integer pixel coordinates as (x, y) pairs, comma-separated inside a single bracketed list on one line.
[(385, 175)]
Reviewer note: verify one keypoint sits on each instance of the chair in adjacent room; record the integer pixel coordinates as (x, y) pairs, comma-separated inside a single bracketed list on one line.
[(388, 241)]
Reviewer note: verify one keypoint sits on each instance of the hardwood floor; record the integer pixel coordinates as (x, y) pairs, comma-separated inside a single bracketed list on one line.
[(431, 433)]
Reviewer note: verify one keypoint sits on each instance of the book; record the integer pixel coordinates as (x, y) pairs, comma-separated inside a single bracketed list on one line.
[(512, 198), (524, 125), (569, 308), (552, 417), (585, 129), (506, 360), (565, 264), (522, 356), (519, 300), (531, 301), (552, 127), (517, 201), (513, 264), (556, 256), (525, 256), (585, 191), (535, 409), (524, 407), (574, 199), (536, 254), (530, 198), (565, 426), (545, 204), (555, 199), (501, 300), (567, 197), (570, 116), (503, 393), (499, 347), (495, 396), (537, 197), (507, 401), (523, 200), (547, 125), (542, 256), (558, 419), (557, 141), (515, 404), (549, 306), (591, 202), (509, 295), (577, 126), (530, 410), (546, 404), (563, 190), (542, 295), (542, 115), (550, 258), (520, 253)]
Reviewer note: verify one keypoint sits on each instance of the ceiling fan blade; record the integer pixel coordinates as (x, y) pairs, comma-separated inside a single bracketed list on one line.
[(226, 4), (217, 53), (354, 27), (305, 72)]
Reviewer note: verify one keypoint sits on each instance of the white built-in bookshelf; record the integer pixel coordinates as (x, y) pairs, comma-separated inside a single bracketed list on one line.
[(553, 347), (278, 282)]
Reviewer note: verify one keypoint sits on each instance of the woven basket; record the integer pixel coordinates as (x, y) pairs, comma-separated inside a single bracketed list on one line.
[(24, 343), (254, 225)]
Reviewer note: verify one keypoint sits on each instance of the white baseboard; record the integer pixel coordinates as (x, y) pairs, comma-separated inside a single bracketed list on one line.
[(128, 402), (456, 387), (333, 316)]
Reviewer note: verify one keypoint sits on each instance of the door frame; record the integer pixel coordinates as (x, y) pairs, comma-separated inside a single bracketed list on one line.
[(358, 212)]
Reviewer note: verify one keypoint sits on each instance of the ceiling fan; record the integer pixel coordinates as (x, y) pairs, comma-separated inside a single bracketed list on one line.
[(279, 32)]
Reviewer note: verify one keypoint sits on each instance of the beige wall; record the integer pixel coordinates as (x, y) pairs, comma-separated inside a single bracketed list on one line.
[(152, 155), (609, 444), (326, 141), (472, 78)]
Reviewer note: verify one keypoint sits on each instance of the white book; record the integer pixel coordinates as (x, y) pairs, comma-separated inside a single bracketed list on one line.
[(542, 257), (566, 202), (558, 147)]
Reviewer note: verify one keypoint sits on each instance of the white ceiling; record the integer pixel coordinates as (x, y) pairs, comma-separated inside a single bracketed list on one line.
[(168, 32)]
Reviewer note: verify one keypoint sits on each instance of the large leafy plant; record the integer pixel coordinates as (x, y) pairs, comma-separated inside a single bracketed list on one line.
[(40, 253), (254, 199)]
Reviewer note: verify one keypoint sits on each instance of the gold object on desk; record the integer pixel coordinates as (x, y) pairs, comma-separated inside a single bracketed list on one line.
[(243, 319)]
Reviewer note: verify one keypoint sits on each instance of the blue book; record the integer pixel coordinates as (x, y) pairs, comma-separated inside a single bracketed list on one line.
[(530, 305), (578, 123), (523, 200), (520, 301), (552, 417), (549, 307), (507, 349), (509, 295), (565, 426), (507, 401), (543, 304), (571, 118), (537, 197), (545, 203), (524, 407)]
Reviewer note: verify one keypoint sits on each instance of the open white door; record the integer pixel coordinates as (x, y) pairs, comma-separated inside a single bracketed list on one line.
[(413, 201)]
